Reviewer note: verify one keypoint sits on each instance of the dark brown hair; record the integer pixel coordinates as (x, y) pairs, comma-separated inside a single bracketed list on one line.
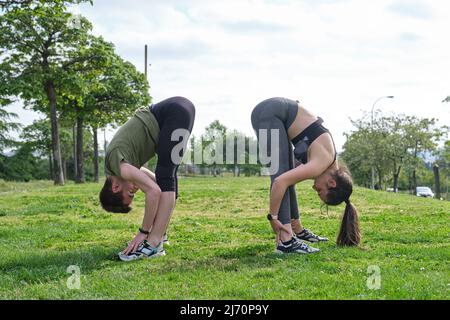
[(349, 233), (110, 201)]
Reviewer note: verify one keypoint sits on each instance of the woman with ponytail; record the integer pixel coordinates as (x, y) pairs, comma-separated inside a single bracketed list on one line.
[(291, 134)]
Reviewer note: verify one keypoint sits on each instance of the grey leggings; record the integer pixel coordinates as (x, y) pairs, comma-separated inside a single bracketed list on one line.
[(279, 113)]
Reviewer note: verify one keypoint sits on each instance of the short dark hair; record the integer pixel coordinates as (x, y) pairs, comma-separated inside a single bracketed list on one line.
[(110, 201), (349, 232)]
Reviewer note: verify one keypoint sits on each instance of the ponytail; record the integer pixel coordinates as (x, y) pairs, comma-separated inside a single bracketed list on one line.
[(349, 233)]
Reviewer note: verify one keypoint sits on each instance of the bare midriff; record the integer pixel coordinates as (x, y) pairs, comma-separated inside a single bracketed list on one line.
[(303, 119)]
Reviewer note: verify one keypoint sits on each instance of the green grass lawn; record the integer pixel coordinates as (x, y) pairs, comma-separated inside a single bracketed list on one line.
[(221, 246)]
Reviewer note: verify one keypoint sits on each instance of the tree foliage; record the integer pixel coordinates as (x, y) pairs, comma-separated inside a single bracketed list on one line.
[(44, 48), (56, 66), (390, 144), (6, 126), (23, 165)]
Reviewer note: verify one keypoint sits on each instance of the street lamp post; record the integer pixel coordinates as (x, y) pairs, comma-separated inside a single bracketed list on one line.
[(372, 185)]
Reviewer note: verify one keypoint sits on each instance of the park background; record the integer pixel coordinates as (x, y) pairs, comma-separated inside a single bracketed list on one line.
[(71, 72)]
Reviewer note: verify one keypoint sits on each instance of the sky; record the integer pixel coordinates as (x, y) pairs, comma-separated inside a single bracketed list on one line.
[(337, 57)]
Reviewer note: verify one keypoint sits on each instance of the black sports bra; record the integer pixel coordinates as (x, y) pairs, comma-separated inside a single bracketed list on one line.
[(305, 138)]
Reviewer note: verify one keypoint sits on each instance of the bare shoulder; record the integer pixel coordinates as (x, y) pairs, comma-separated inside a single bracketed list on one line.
[(127, 171), (139, 177)]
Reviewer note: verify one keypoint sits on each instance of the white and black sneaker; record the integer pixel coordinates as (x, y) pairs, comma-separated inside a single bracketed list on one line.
[(145, 250), (307, 235), (295, 246)]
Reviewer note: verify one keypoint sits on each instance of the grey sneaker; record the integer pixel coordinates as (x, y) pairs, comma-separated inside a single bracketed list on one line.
[(307, 235), (145, 250), (296, 246)]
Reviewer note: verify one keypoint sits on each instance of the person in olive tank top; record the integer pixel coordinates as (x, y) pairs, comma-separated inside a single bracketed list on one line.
[(163, 129)]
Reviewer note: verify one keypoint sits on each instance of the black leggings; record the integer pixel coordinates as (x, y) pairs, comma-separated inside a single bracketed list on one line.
[(279, 114), (172, 114)]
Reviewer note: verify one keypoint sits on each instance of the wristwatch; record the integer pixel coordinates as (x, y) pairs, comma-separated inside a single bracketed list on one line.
[(143, 231), (271, 217)]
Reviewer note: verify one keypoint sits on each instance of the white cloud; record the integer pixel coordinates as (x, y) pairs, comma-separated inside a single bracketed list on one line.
[(412, 8), (337, 57)]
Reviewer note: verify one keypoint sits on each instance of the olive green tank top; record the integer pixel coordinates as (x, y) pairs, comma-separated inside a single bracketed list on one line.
[(135, 142)]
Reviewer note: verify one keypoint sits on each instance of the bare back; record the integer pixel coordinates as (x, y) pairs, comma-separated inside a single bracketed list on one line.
[(303, 119), (323, 146)]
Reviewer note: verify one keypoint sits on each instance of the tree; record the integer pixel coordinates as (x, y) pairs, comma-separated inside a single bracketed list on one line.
[(365, 149), (9, 5), (421, 135), (22, 165), (113, 95), (389, 144), (233, 138), (43, 49), (74, 104), (250, 167), (38, 137), (6, 125), (108, 91), (16, 4), (443, 161), (396, 146), (357, 154), (214, 146)]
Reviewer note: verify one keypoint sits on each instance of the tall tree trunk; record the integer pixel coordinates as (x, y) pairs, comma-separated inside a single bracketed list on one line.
[(414, 181), (414, 178), (96, 173), (50, 165), (410, 182), (396, 176), (74, 137), (437, 182), (58, 177), (80, 168), (380, 178), (64, 165)]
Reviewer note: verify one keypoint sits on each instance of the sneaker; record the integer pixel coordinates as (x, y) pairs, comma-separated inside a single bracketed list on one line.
[(295, 246), (307, 235), (145, 250)]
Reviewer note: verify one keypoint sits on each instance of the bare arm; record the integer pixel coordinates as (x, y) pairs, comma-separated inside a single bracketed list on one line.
[(148, 186), (318, 163), (149, 173)]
